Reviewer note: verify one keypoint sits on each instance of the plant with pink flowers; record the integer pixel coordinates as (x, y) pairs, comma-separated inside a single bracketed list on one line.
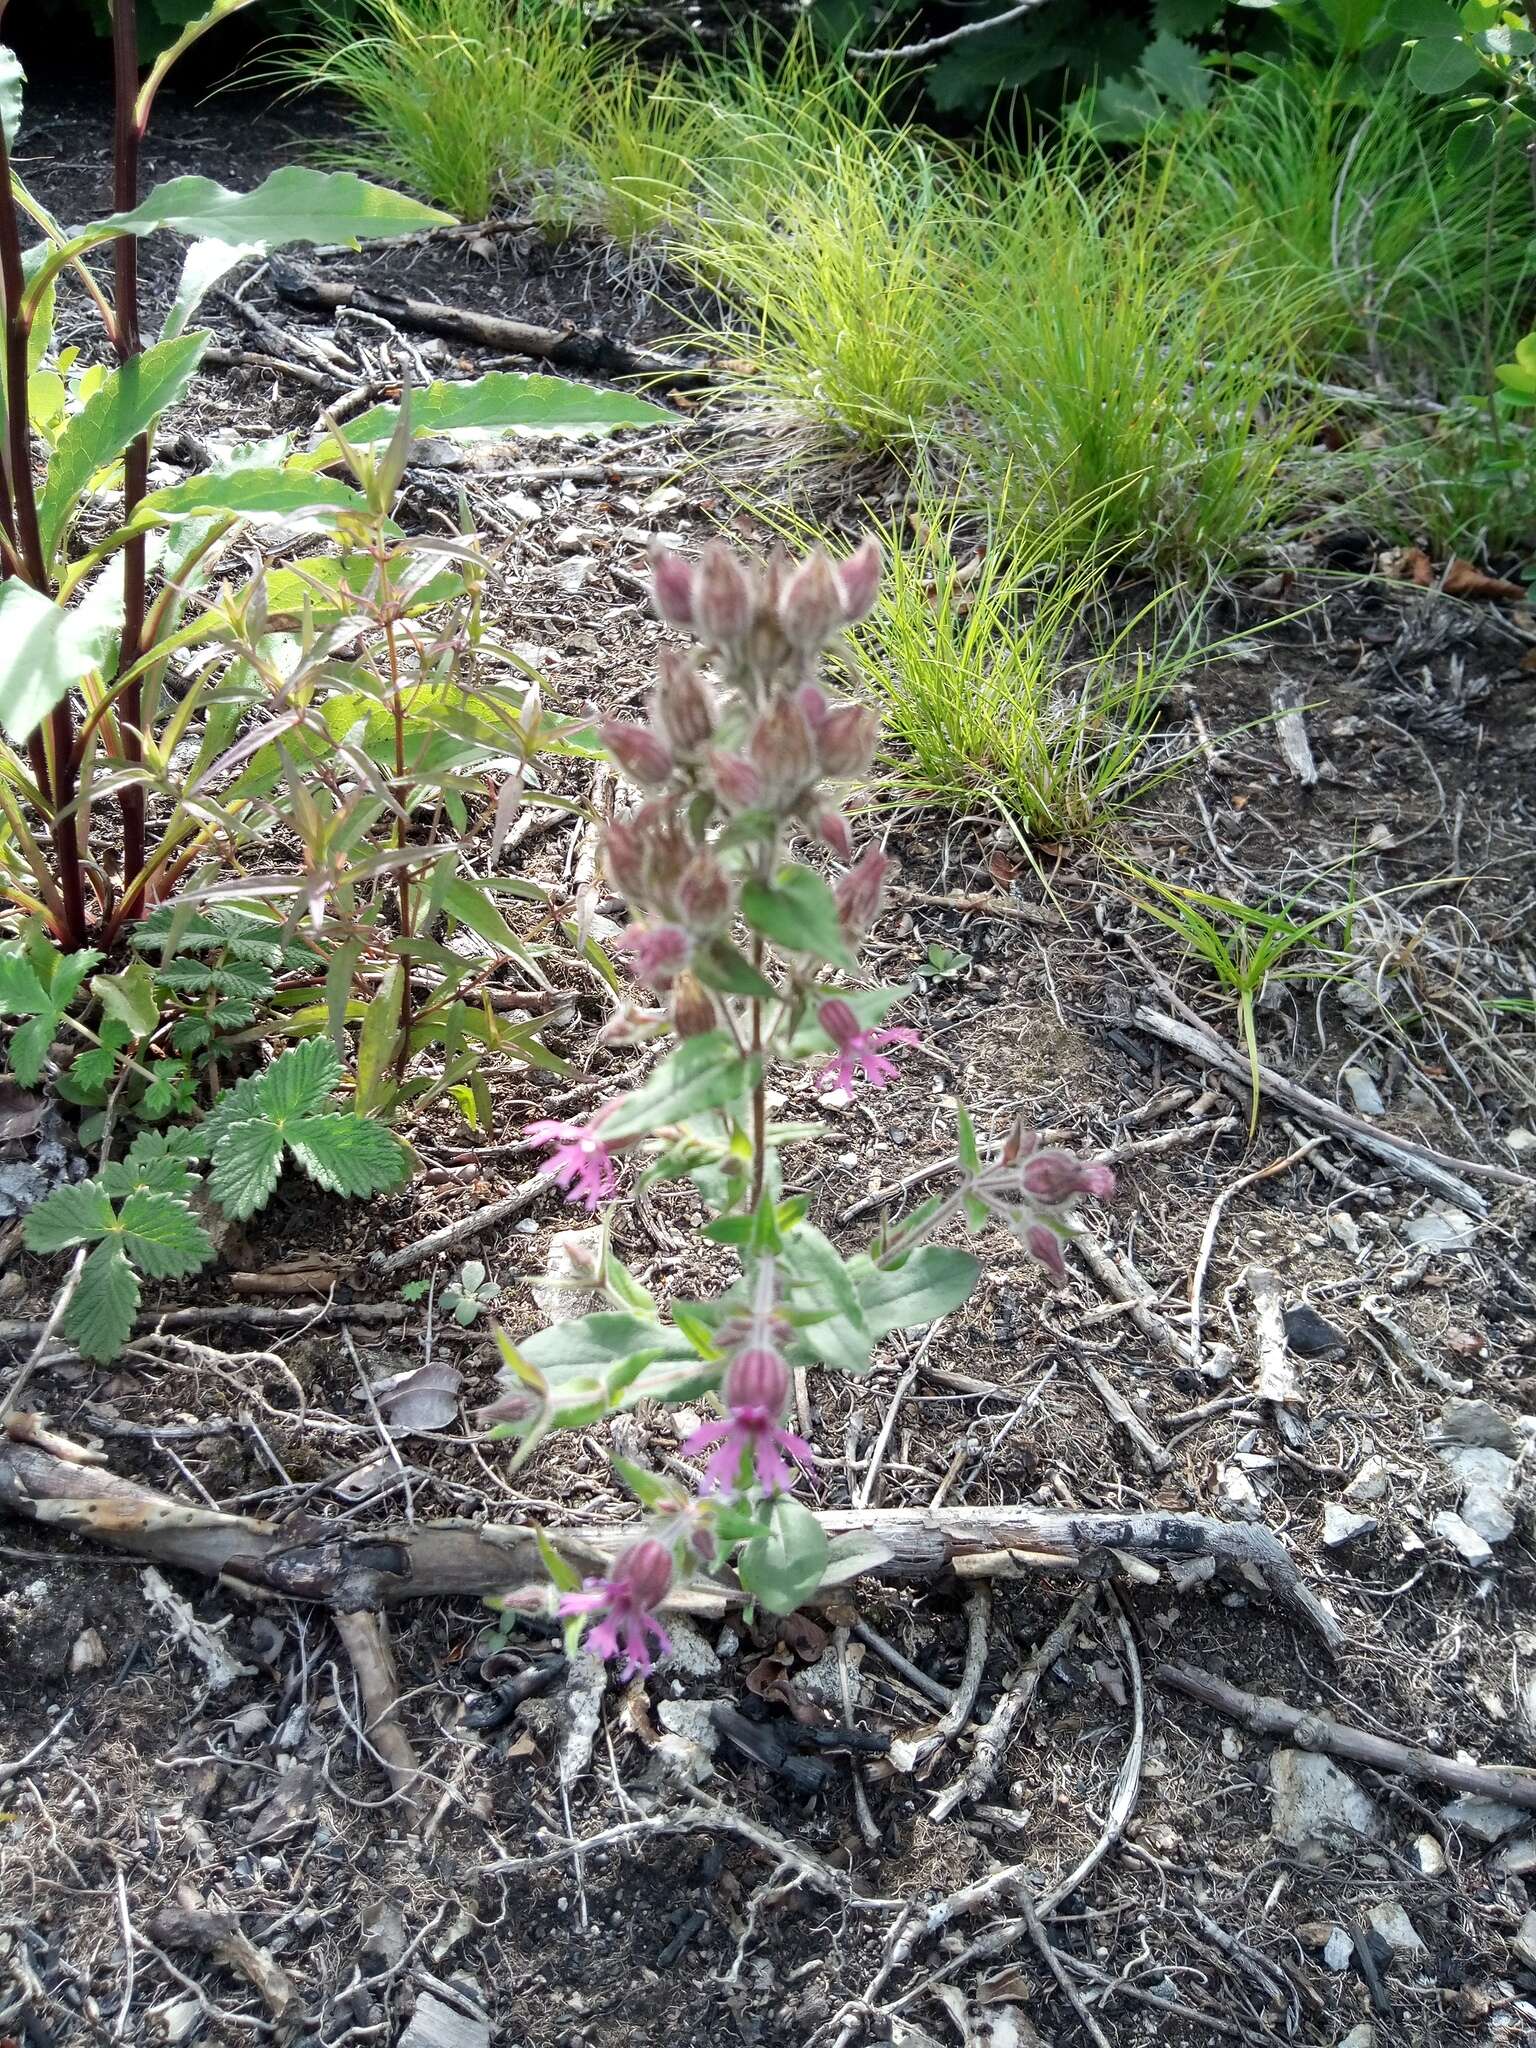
[(744, 766)]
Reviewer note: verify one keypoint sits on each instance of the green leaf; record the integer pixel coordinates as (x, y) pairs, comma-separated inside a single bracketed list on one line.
[(162, 1236), (926, 1285), (718, 965), (563, 1574), (246, 1164), (784, 1568), (290, 205), (129, 997), (1177, 70), (498, 403), (842, 1339), (44, 652), (128, 403), (202, 267), (12, 79), (469, 903), (106, 1299), (301, 1081), (601, 1340), (295, 496), (349, 1154), (798, 911), (69, 1216), (21, 993), (29, 1048), (1442, 65), (704, 1073)]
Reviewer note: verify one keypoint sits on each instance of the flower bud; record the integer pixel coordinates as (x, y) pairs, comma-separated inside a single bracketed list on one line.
[(838, 1021), (782, 749), (811, 604), (667, 854), (682, 707), (693, 1008), (845, 740), (672, 583), (757, 1379), (646, 1570), (643, 757), (1044, 1245), (722, 596), (858, 580), (624, 854), (632, 1025), (813, 701), (1056, 1177), (735, 781), (660, 952), (861, 892), (831, 828), (704, 894)]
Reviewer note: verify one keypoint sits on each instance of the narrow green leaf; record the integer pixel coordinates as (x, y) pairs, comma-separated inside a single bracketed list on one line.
[(563, 1574), (100, 1316), (128, 403), (377, 1042), (720, 966), (290, 205), (926, 1285), (497, 403), (69, 1216), (298, 497), (12, 80)]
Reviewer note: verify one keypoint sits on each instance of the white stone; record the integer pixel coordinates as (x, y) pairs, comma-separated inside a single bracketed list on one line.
[(1487, 1480), (1237, 1492), (1430, 1854), (691, 1655), (1518, 1860), (1395, 1928), (1313, 1800), (1370, 1482), (1463, 1537), (1341, 1525), (1338, 1950), (1524, 1943), (1363, 2036), (1490, 1820), (1479, 1423)]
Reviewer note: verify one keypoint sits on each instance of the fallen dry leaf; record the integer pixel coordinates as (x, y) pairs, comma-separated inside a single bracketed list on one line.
[(1460, 578), (427, 1398)]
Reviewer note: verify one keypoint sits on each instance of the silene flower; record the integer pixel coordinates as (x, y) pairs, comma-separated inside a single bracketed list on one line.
[(658, 952), (858, 1050), (627, 1602), (580, 1162), (750, 1437)]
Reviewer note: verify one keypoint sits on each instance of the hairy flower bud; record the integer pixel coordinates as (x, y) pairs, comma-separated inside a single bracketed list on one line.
[(641, 754), (672, 582), (861, 892), (845, 740), (1056, 1177), (624, 853), (858, 580), (722, 596), (682, 706), (693, 1008), (667, 854), (704, 893), (814, 702), (838, 1021), (757, 1379), (811, 604), (782, 749), (659, 952), (831, 828), (1044, 1245), (735, 781)]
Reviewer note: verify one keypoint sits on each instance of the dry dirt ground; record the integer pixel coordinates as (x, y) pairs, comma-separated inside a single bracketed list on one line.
[(139, 1774)]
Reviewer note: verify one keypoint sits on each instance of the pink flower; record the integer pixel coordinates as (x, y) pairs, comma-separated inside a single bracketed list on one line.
[(627, 1602), (580, 1163), (858, 1052), (659, 952), (756, 1388)]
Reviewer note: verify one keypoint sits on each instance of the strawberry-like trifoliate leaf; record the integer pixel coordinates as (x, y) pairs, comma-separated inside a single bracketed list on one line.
[(161, 1235), (105, 1302), (70, 1216), (287, 1108), (21, 993)]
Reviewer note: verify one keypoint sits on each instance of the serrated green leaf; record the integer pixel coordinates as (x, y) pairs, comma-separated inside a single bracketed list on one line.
[(127, 404), (21, 993), (798, 911), (704, 1073), (247, 1160), (28, 1050), (299, 1082), (89, 1076), (69, 1216), (161, 1235), (349, 1154), (106, 1300)]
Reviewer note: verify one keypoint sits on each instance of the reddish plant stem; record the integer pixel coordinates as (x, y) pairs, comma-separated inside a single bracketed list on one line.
[(125, 196), (403, 881), (55, 779)]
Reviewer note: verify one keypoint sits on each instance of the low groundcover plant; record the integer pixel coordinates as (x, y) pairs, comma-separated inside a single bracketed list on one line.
[(752, 957)]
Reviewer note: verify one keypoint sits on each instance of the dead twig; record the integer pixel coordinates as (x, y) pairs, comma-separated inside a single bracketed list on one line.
[(1208, 1235), (365, 1638), (1278, 1719), (905, 52), (909, 1754), (521, 1199)]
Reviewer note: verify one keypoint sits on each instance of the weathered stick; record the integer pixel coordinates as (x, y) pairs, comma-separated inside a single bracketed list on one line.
[(573, 348), (346, 1568), (366, 1640), (1266, 1716), (1435, 1169)]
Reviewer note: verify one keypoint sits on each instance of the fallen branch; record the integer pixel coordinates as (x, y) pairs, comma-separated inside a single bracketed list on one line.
[(338, 1565), (365, 1637), (583, 349), (153, 1320), (522, 1198), (1265, 1716), (904, 51), (219, 1937), (1435, 1169)]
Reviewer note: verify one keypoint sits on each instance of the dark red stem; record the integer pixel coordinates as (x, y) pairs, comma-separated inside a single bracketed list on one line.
[(125, 196)]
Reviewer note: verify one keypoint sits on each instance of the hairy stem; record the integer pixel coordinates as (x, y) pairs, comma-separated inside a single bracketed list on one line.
[(125, 181)]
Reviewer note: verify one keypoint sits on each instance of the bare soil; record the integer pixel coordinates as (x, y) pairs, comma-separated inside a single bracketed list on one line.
[(258, 1800)]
